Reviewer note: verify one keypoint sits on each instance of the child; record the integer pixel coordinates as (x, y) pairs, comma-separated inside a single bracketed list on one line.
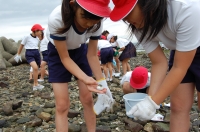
[(43, 48), (175, 23), (30, 43), (105, 33), (137, 80), (39, 74), (126, 47), (106, 55), (70, 25)]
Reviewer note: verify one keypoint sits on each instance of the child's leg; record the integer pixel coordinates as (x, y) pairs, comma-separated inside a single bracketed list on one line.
[(118, 64), (181, 102), (62, 103), (87, 102), (128, 66), (110, 69), (124, 65), (42, 70), (198, 96), (31, 75), (35, 73), (105, 70)]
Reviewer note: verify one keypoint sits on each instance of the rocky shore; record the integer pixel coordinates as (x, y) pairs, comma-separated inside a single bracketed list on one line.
[(25, 110)]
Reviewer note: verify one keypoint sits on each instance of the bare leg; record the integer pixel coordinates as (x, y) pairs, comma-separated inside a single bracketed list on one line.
[(87, 102), (118, 64), (62, 106), (35, 73), (42, 69), (124, 65), (181, 103), (105, 70), (198, 96), (110, 69), (128, 66)]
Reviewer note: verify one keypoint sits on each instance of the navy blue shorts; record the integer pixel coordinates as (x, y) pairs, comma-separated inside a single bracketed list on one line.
[(33, 55), (106, 55), (128, 52), (193, 73), (57, 72), (45, 55)]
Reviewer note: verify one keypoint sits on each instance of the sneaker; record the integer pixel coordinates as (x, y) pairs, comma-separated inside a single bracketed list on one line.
[(38, 87), (40, 80), (107, 79), (117, 74), (110, 80)]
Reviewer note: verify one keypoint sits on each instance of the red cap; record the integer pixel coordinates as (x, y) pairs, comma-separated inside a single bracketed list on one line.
[(96, 7), (122, 9), (103, 37), (37, 27), (139, 77)]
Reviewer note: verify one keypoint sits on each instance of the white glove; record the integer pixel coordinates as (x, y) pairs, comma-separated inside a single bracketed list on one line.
[(103, 84), (144, 110), (17, 58)]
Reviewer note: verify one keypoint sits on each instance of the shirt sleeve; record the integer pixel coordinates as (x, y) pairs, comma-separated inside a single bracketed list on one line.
[(187, 23), (97, 34), (54, 23), (24, 40)]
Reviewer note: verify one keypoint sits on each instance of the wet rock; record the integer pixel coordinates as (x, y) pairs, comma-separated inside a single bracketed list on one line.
[(103, 129), (161, 127), (132, 126), (17, 104), (73, 113)]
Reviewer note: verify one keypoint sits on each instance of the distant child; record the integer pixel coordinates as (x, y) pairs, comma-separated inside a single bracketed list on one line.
[(106, 56), (43, 49), (105, 33), (137, 80), (70, 26), (126, 47), (30, 43), (39, 74)]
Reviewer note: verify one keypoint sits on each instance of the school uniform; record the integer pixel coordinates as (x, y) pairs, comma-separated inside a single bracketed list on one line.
[(43, 48), (180, 33), (106, 51), (129, 51), (75, 42), (127, 77), (31, 45)]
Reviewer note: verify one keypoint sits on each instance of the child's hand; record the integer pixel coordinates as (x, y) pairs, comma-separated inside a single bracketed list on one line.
[(92, 85)]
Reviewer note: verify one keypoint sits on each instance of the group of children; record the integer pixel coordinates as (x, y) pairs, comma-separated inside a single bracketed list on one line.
[(75, 21), (111, 48)]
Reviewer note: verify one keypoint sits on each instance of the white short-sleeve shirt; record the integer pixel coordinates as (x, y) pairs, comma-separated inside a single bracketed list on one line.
[(73, 37), (103, 44), (127, 77), (43, 44), (30, 42), (121, 42), (182, 31)]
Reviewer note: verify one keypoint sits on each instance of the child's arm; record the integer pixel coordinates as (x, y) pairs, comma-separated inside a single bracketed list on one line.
[(93, 59), (20, 49), (72, 67)]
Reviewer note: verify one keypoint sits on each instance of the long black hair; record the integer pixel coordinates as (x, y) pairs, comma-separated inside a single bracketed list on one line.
[(68, 14), (155, 18)]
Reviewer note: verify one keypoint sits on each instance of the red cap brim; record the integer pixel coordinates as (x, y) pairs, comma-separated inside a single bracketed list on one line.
[(118, 13)]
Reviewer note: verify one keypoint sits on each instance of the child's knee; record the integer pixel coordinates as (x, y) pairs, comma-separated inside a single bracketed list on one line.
[(63, 106)]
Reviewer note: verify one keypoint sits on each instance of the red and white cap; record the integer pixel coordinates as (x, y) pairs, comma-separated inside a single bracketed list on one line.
[(37, 27), (122, 9), (96, 7)]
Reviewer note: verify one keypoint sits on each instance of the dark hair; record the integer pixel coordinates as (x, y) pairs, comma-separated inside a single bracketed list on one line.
[(115, 37), (155, 18), (42, 35), (68, 13), (105, 32)]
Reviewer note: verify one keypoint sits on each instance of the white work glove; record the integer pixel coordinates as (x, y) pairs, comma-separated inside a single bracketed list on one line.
[(104, 84), (144, 110), (17, 58)]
